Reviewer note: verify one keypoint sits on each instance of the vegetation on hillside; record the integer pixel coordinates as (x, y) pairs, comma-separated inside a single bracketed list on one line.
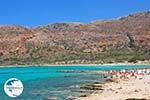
[(115, 41)]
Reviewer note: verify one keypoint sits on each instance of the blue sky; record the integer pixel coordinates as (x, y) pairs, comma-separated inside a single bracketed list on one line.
[(42, 12)]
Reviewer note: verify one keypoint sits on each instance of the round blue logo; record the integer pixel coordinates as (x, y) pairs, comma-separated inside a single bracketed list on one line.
[(13, 87)]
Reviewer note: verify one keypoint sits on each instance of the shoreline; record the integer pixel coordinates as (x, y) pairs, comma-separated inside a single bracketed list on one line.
[(124, 89), (57, 65)]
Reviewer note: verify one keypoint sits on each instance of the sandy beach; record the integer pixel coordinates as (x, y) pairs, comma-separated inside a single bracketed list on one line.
[(123, 89), (147, 62)]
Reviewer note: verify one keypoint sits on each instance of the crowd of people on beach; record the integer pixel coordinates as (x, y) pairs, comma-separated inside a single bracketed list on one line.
[(128, 74)]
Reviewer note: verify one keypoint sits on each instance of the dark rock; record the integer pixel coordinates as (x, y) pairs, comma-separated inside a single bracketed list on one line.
[(71, 98), (92, 87)]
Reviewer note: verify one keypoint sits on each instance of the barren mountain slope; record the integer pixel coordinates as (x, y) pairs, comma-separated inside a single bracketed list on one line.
[(120, 40)]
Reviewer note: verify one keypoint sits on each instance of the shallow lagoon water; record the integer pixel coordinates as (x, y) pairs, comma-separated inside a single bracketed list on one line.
[(45, 82)]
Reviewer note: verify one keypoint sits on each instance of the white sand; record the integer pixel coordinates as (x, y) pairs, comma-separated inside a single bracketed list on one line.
[(133, 88)]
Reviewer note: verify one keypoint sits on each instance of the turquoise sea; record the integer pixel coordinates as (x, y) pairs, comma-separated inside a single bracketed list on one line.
[(55, 81)]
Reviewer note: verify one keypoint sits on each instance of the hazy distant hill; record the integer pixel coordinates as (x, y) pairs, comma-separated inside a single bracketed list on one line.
[(108, 41)]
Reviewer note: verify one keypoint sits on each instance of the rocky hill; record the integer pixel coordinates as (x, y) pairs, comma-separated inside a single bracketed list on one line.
[(125, 39)]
